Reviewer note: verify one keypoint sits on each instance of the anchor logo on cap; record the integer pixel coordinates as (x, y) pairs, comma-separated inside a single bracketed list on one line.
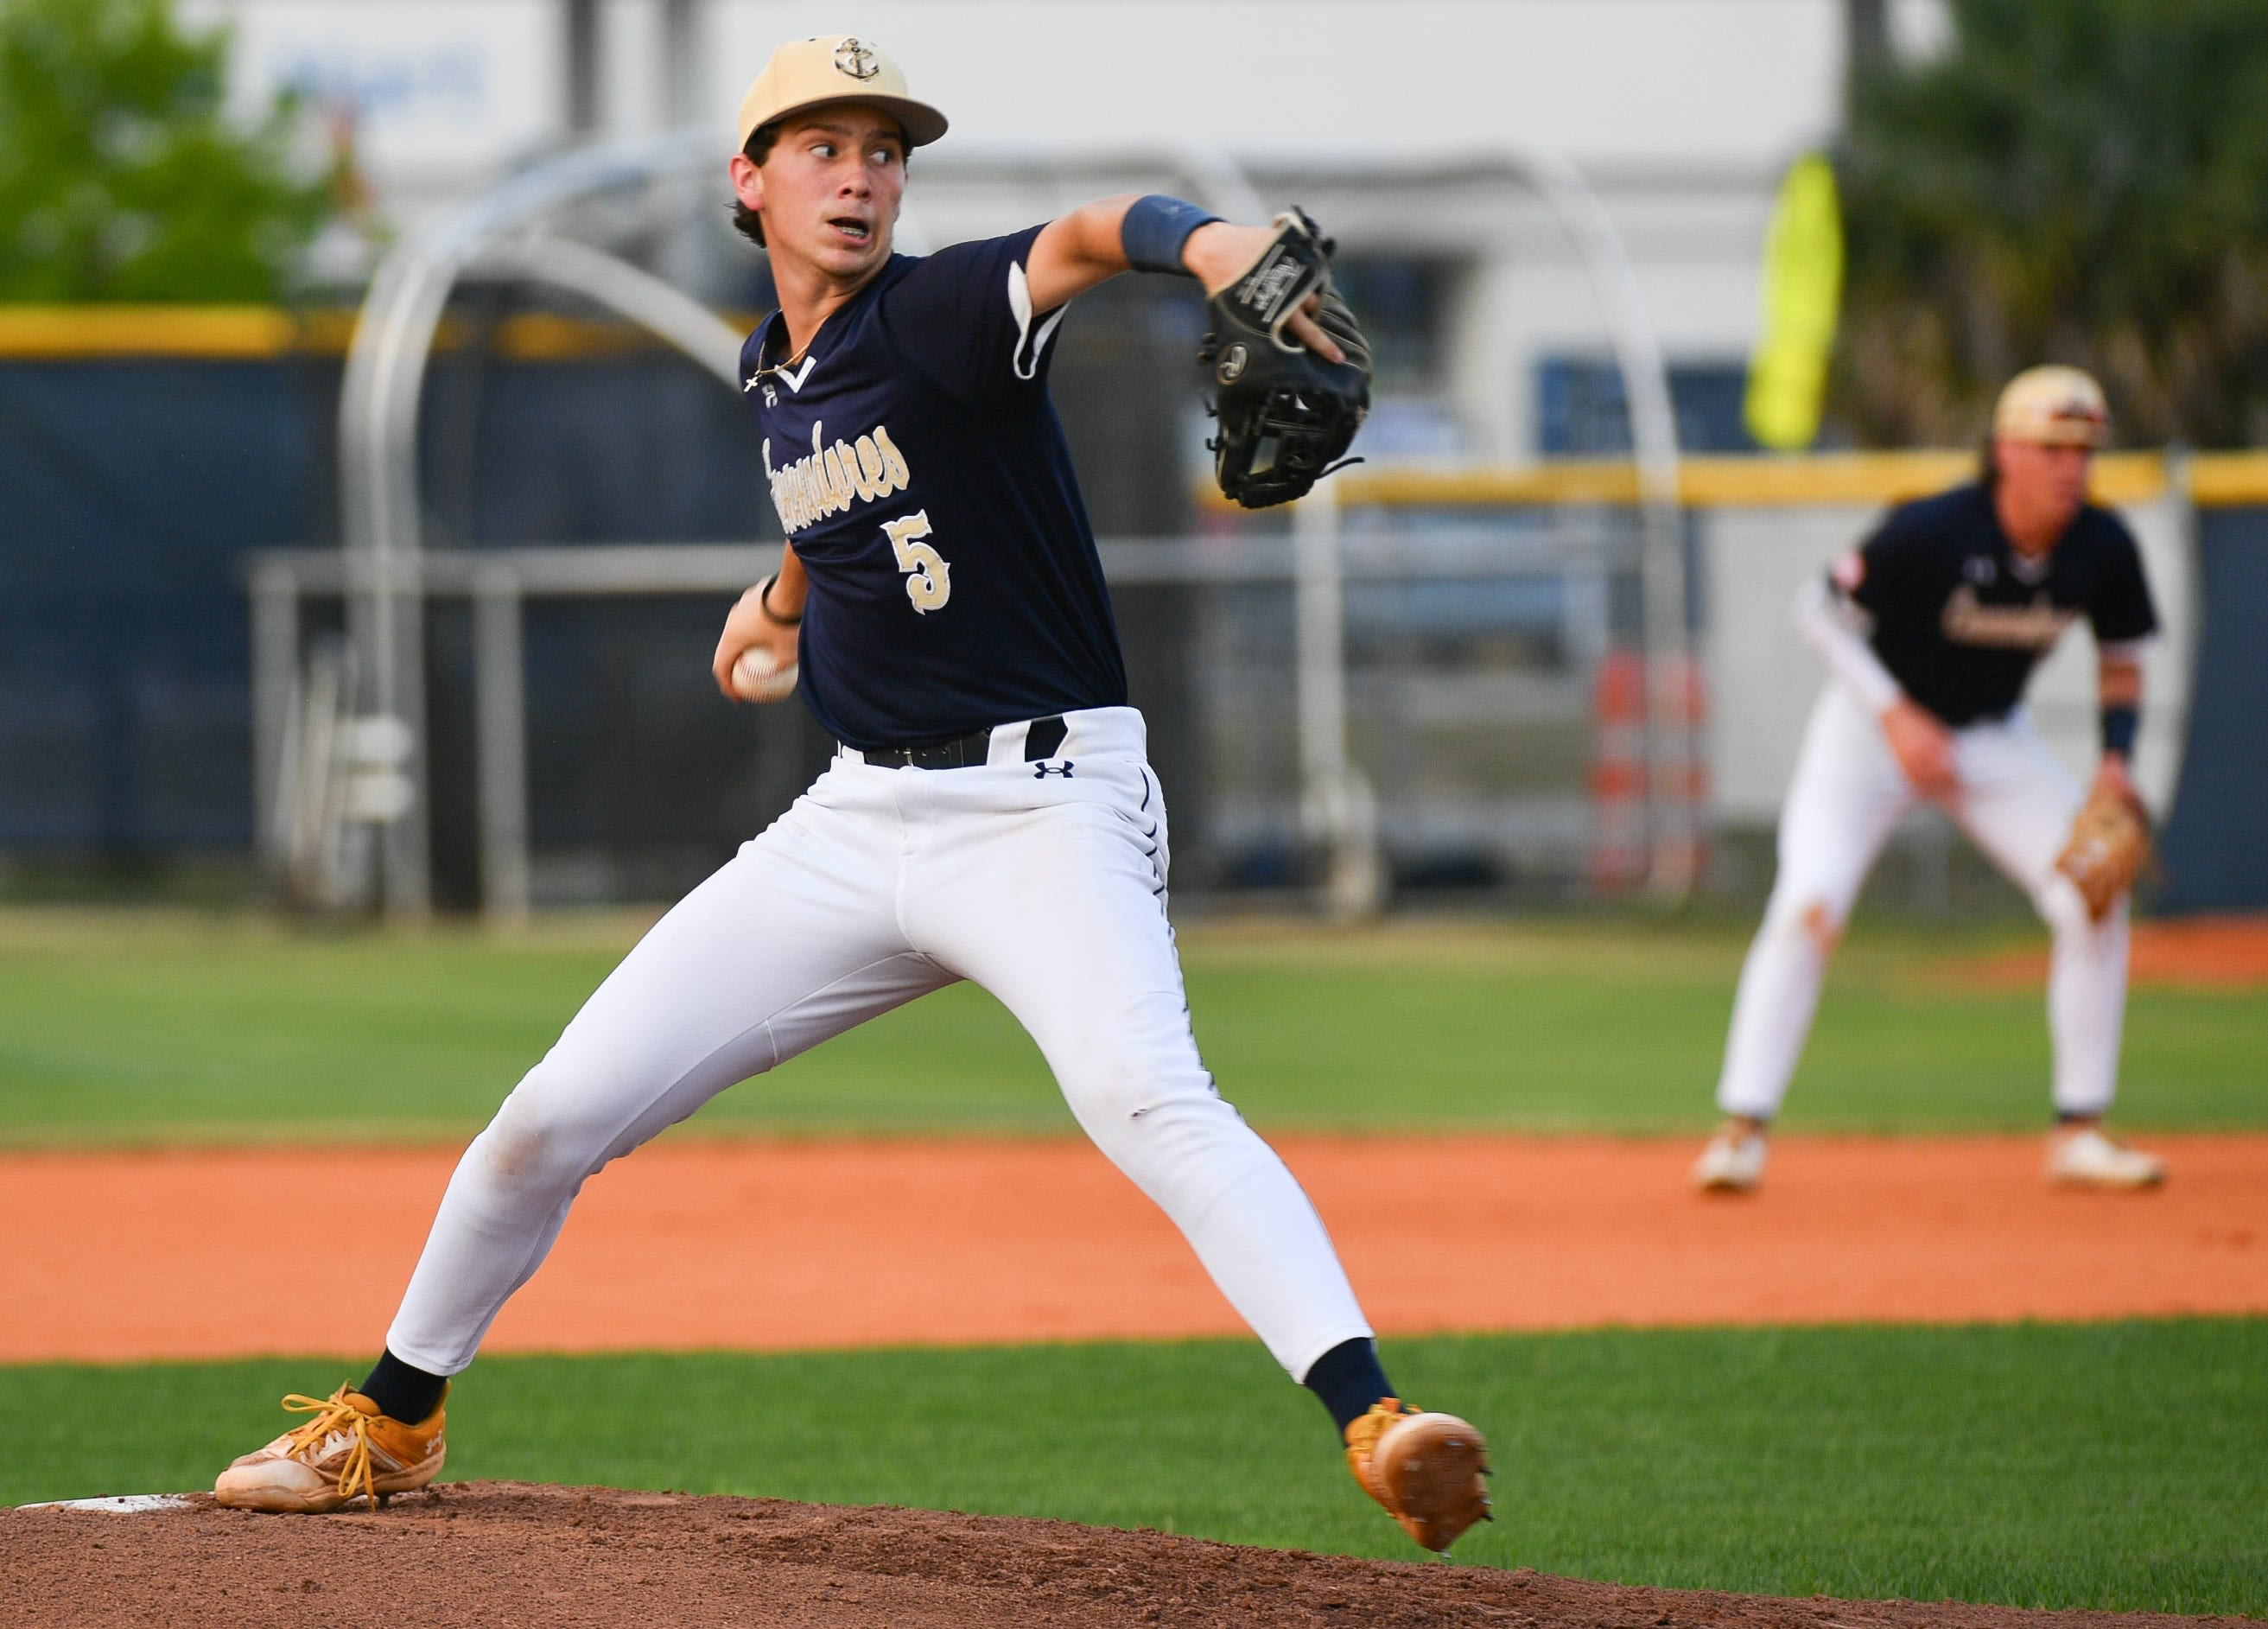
[(856, 57)]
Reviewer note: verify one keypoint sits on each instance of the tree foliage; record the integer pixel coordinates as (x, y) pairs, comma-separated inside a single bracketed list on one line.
[(2073, 181), (119, 177)]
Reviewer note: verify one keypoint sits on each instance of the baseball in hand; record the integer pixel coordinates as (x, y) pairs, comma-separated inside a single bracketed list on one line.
[(758, 676)]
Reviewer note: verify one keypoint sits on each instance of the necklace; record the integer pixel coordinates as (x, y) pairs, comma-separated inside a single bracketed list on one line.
[(763, 369)]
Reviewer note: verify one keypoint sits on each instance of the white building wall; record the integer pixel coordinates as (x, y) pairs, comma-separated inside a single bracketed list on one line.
[(1682, 113), (460, 86), (1629, 80), (1695, 236), (444, 94)]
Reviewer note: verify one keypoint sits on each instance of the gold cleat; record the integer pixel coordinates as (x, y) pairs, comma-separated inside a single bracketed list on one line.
[(1426, 1470), (348, 1451)]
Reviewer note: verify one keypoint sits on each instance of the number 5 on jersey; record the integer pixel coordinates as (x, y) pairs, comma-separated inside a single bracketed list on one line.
[(929, 579)]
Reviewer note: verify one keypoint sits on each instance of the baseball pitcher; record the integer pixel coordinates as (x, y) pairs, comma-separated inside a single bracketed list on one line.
[(989, 813)]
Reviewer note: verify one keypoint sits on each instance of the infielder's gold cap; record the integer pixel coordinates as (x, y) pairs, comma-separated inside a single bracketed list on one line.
[(803, 74), (2053, 407)]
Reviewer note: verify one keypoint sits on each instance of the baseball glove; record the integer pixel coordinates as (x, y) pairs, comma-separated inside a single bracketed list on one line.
[(2108, 846), (1285, 414)]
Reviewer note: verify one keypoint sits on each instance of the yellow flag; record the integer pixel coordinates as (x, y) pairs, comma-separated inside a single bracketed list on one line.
[(1802, 287)]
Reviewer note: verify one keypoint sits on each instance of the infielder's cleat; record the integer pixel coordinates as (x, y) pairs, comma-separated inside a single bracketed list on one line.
[(348, 1451), (1733, 1162), (1426, 1469), (2086, 1158)]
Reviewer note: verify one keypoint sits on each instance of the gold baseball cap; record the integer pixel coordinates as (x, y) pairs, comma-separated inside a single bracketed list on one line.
[(2053, 407), (803, 74)]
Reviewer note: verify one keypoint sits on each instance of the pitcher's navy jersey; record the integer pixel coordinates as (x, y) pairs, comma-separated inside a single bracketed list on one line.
[(1961, 619), (917, 466)]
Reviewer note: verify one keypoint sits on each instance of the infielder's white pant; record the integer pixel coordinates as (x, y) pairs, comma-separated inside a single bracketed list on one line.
[(1848, 795), (880, 885)]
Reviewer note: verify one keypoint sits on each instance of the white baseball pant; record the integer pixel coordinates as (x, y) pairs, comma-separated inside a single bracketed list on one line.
[(880, 885), (2016, 802)]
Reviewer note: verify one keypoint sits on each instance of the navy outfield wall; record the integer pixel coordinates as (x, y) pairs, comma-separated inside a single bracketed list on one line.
[(134, 486), (131, 487), (2214, 848)]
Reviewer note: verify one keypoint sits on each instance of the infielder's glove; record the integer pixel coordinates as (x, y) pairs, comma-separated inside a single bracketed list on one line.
[(1285, 414), (2108, 846)]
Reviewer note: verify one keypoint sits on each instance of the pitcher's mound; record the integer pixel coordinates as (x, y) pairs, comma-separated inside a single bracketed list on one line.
[(486, 1553)]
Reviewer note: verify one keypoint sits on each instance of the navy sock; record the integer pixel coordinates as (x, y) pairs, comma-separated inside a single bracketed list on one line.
[(402, 1392), (1349, 1379)]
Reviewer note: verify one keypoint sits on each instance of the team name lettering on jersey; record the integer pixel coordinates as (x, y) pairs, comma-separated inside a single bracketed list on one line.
[(2035, 627), (830, 479)]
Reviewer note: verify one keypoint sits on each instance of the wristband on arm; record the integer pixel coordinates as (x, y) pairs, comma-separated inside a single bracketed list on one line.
[(1154, 230), (2120, 725), (764, 603)]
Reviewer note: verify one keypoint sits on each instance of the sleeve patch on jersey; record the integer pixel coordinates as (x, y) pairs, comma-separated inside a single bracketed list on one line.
[(1849, 571), (1031, 344)]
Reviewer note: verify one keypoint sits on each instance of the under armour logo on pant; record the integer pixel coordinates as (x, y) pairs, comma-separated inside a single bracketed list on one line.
[(1040, 771)]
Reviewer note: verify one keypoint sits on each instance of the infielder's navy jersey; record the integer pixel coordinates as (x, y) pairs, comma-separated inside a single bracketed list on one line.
[(1961, 619), (917, 466)]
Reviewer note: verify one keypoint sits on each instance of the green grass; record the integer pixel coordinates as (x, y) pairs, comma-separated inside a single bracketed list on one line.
[(2117, 1465), (140, 1026)]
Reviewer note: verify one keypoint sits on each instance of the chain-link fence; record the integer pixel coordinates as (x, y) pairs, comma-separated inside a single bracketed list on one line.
[(578, 751)]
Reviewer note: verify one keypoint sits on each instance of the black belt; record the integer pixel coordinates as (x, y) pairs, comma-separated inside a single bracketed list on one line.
[(965, 751)]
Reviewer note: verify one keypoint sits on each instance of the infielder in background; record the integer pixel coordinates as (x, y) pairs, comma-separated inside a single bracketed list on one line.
[(1932, 629), (989, 814)]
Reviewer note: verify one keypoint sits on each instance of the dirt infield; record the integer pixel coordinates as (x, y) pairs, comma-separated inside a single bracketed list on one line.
[(2187, 953), (483, 1553), (774, 1245)]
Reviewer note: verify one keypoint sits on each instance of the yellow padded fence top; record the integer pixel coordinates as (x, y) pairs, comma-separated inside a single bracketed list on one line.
[(256, 333), (214, 333), (1737, 482), (1774, 481)]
